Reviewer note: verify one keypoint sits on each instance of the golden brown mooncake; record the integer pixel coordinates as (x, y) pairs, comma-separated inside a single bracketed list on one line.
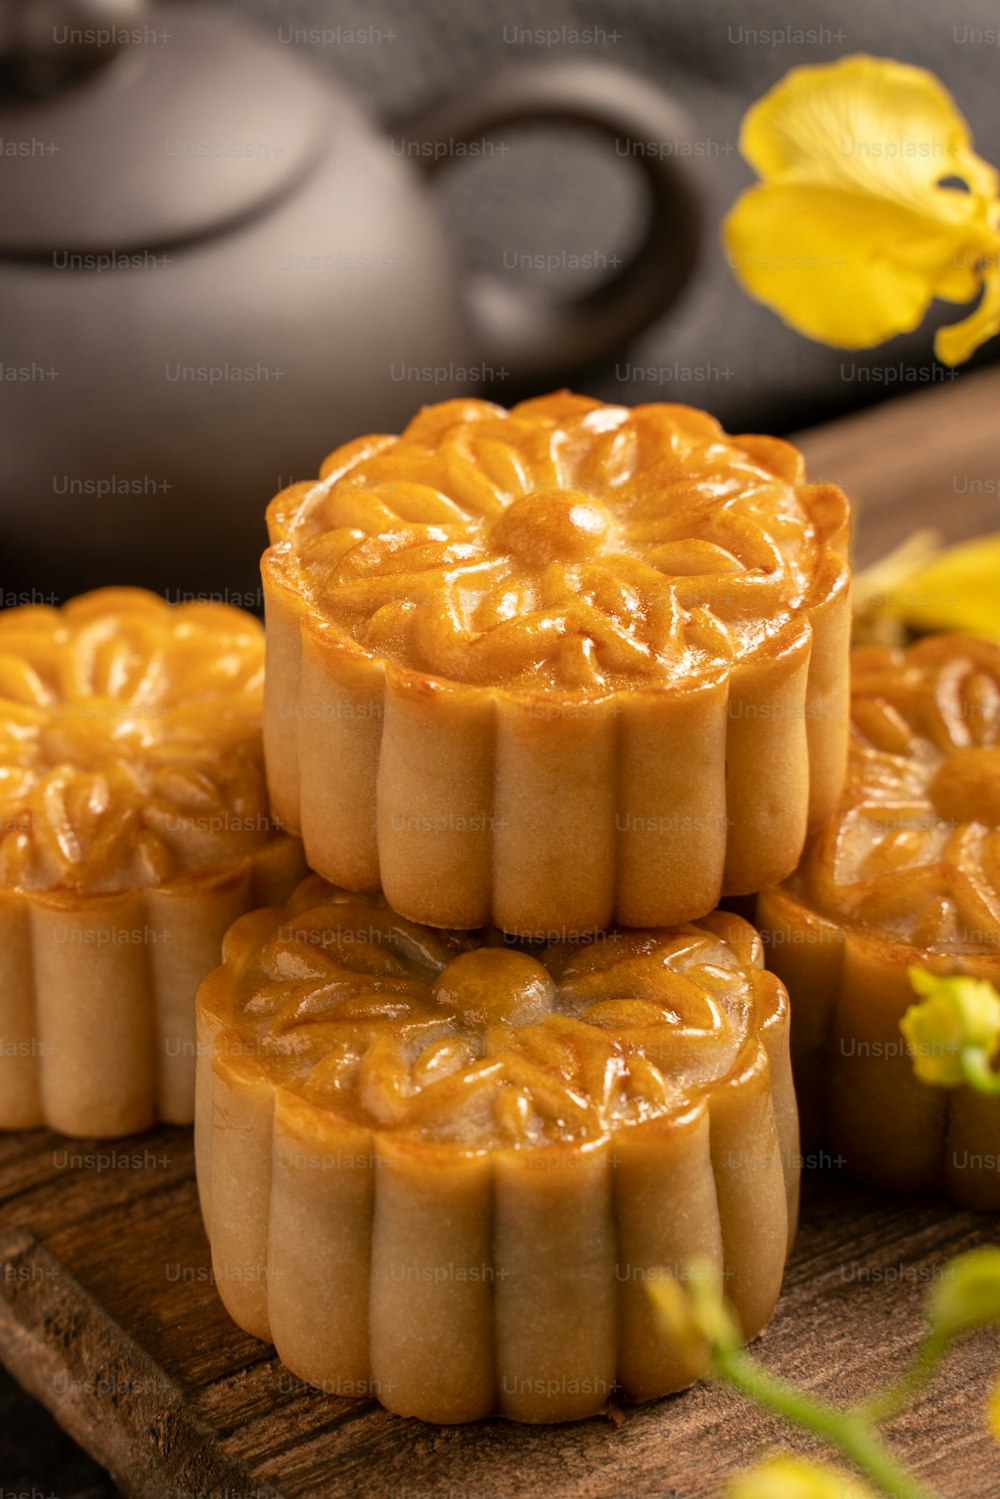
[(906, 872), (134, 828), (441, 1167), (556, 667)]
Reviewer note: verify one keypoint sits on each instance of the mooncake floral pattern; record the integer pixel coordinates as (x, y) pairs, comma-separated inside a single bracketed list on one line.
[(563, 544), (129, 741), (466, 1036), (913, 851)]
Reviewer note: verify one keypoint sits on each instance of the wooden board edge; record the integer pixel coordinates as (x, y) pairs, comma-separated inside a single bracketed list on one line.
[(102, 1388)]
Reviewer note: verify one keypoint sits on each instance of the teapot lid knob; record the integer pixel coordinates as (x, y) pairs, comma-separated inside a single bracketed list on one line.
[(45, 44), (127, 126)]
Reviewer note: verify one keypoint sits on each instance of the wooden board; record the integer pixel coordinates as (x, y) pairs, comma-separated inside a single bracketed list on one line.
[(930, 459), (109, 1318)]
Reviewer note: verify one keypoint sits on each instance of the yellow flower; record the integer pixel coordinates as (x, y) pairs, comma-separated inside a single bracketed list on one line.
[(993, 1409), (927, 589), (952, 1014), (967, 1296), (782, 1477), (851, 233), (693, 1314)]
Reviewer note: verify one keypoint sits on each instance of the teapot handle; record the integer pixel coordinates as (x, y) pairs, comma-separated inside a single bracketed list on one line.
[(534, 339)]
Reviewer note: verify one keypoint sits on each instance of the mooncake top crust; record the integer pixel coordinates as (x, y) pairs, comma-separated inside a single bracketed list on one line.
[(565, 546), (130, 748), (471, 1039), (912, 852)]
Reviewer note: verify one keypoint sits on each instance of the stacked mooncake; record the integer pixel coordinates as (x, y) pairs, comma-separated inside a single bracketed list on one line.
[(542, 687)]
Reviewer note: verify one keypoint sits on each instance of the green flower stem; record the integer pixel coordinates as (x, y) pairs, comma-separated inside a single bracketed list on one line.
[(978, 1071), (892, 1400), (849, 1431)]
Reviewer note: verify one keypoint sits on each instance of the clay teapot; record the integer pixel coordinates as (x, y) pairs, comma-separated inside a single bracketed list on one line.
[(214, 268)]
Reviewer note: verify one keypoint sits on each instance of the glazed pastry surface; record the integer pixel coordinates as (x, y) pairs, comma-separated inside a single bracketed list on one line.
[(913, 851), (906, 872), (564, 544), (134, 828), (441, 1167), (129, 741), (556, 668), (468, 1038)]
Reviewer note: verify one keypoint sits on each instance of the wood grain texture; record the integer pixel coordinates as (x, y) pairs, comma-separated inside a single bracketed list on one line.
[(928, 459), (109, 1317)]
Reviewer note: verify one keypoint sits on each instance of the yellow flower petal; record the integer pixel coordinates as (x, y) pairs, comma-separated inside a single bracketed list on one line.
[(974, 1002), (872, 125), (850, 235), (967, 1297), (935, 1043), (678, 1324), (959, 589), (790, 1477), (958, 343), (817, 256), (993, 1409), (952, 1013), (693, 1313)]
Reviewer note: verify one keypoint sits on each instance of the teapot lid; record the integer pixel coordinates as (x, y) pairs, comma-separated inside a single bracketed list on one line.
[(185, 122)]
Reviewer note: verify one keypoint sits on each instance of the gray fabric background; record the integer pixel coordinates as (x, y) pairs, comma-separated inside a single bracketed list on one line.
[(562, 190)]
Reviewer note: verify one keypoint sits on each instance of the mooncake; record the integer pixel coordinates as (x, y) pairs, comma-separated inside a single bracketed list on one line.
[(556, 667), (906, 872), (134, 828), (442, 1167)]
